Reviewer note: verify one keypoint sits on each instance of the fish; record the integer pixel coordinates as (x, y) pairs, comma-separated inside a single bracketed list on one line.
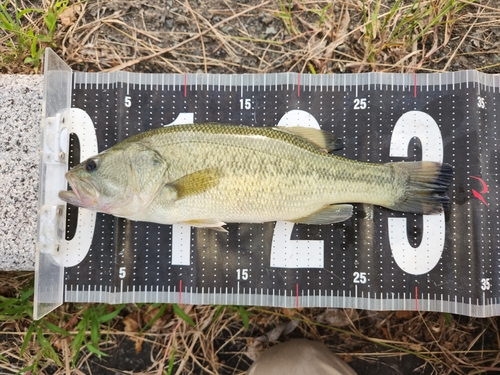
[(207, 175)]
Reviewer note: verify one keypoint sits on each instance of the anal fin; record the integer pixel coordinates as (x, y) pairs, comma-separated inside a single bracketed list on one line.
[(334, 213), (205, 223)]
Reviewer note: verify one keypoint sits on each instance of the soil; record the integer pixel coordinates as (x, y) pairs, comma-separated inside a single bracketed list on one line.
[(245, 36)]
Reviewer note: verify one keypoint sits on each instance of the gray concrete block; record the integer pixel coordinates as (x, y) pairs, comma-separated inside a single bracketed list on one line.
[(20, 118)]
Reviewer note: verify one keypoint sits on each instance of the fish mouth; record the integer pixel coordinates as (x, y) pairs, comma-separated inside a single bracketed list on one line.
[(82, 194)]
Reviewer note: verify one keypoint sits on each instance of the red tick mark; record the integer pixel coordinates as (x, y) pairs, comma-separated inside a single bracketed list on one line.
[(185, 85), (298, 85), (297, 296), (484, 190), (416, 297), (180, 291)]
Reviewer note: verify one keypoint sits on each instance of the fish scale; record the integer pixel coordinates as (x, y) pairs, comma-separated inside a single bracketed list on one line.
[(378, 259)]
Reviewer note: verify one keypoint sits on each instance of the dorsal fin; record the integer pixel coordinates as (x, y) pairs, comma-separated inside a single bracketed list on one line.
[(323, 139)]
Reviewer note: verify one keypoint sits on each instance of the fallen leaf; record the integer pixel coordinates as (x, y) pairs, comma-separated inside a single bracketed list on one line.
[(404, 314), (69, 15), (333, 317), (132, 325)]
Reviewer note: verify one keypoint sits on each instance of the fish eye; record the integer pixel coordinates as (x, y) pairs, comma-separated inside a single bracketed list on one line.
[(90, 165)]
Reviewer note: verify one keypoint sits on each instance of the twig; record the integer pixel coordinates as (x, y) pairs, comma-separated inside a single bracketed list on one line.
[(452, 57), (168, 49), (201, 37)]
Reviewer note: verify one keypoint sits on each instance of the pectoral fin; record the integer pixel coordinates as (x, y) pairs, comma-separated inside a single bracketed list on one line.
[(212, 224), (195, 183), (334, 213), (323, 139)]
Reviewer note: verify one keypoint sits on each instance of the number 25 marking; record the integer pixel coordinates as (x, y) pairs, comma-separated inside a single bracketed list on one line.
[(360, 103), (359, 277)]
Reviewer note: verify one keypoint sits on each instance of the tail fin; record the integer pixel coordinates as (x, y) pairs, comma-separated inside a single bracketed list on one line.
[(425, 188)]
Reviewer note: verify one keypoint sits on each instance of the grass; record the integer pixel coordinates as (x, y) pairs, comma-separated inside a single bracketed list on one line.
[(258, 37), (25, 35), (186, 339), (419, 29)]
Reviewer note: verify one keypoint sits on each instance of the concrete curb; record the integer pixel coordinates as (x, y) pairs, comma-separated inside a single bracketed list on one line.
[(20, 116)]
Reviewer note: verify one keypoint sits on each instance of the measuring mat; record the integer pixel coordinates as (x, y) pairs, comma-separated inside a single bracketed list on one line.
[(378, 259)]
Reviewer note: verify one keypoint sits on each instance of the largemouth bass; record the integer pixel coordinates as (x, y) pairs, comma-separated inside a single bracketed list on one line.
[(207, 175)]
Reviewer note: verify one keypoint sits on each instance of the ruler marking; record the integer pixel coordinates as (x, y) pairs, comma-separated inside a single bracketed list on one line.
[(296, 295), (482, 305), (414, 85), (298, 85), (416, 297), (356, 298), (237, 292), (180, 291)]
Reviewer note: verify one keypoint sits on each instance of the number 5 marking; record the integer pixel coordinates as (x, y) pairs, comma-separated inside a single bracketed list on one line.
[(422, 259)]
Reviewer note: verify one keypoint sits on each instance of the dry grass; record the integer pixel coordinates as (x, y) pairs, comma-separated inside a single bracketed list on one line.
[(275, 35), (219, 343), (251, 36)]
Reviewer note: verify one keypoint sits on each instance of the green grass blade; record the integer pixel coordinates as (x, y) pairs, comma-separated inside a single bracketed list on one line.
[(107, 317), (47, 349), (155, 318), (171, 361), (245, 315), (56, 329), (181, 314), (96, 351), (27, 338), (95, 329)]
